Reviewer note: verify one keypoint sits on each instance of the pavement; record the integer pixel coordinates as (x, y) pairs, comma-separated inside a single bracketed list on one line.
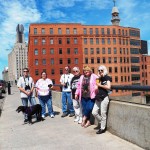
[(52, 133)]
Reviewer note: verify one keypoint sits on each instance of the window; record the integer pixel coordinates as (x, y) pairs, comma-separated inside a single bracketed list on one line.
[(104, 61), (135, 42), (97, 41), (120, 41), (85, 40), (98, 60), (36, 72), (60, 61), (76, 61), (120, 50), (109, 60), (36, 52), (59, 31), (121, 78), (35, 30), (43, 51), (116, 79), (52, 71), (51, 31), (52, 61), (43, 31), (84, 31), (103, 50), (103, 41), (114, 41), (96, 31), (119, 31), (61, 71), (92, 60), (36, 62), (74, 31), (60, 50), (135, 60), (120, 59), (43, 61), (115, 51), (108, 31), (67, 31), (75, 50), (86, 60), (75, 41), (110, 69), (68, 40), (122, 32), (91, 50), (115, 59), (59, 41), (68, 50), (35, 41), (43, 41), (91, 40), (69, 61), (102, 31), (116, 69), (51, 51), (91, 31), (51, 41), (97, 51), (108, 40), (114, 31), (85, 51), (109, 50)]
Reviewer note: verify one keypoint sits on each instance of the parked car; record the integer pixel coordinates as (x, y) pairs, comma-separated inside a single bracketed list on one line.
[(3, 86)]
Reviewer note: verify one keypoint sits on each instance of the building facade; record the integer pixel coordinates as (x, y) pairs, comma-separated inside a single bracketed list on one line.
[(52, 46), (18, 58)]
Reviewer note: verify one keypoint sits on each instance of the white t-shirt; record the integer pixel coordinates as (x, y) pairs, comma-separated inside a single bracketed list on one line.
[(66, 78), (42, 86), (22, 82)]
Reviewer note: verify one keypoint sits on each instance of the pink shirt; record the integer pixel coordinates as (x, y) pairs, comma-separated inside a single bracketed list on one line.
[(42, 86), (92, 86)]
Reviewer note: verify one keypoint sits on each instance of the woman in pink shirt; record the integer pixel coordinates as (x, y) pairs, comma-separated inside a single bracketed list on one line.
[(86, 93), (43, 89)]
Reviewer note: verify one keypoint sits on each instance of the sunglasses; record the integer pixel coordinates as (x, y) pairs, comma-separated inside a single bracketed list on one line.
[(100, 70), (75, 71), (25, 71)]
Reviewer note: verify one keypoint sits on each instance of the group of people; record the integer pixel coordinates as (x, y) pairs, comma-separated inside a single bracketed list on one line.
[(82, 94)]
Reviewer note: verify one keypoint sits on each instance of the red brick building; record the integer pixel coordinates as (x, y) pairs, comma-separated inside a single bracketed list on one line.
[(52, 46)]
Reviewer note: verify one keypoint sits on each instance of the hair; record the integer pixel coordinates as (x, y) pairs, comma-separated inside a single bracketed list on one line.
[(26, 69), (87, 68), (69, 69), (76, 69), (105, 72), (43, 72)]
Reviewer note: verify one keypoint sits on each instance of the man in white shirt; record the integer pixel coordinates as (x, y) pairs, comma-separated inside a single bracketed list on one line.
[(26, 87), (65, 81)]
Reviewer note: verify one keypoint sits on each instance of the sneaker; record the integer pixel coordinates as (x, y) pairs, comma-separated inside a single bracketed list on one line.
[(25, 120), (80, 120), (71, 114), (76, 119), (43, 116), (64, 115), (52, 115)]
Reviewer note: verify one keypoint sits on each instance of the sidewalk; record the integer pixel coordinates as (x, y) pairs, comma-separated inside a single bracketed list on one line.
[(51, 134)]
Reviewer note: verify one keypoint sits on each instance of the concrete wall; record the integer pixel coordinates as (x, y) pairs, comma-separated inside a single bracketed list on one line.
[(130, 122), (126, 120)]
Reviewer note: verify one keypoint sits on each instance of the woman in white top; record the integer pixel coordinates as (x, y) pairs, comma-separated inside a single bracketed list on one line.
[(43, 89)]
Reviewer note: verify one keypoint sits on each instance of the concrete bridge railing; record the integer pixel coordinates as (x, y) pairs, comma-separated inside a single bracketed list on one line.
[(126, 120)]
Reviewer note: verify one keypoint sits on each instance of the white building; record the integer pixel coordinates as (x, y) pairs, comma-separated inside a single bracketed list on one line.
[(17, 58)]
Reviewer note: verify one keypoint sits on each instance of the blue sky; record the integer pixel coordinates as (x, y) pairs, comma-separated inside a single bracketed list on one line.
[(133, 13)]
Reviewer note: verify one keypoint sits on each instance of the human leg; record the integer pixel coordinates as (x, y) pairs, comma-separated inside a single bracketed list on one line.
[(25, 103), (49, 106), (42, 102), (76, 109), (32, 101), (64, 102), (70, 104), (95, 111)]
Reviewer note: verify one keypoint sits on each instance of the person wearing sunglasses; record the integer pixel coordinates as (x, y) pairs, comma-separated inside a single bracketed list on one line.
[(85, 92), (26, 86), (67, 104), (76, 103), (102, 99)]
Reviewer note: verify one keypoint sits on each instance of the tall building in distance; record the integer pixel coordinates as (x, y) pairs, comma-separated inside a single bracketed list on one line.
[(52, 46), (18, 58)]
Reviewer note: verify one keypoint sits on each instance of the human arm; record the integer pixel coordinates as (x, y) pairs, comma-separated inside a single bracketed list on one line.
[(107, 86)]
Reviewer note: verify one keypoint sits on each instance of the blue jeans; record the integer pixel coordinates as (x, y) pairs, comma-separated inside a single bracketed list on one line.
[(25, 103), (66, 99), (46, 100), (87, 106)]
